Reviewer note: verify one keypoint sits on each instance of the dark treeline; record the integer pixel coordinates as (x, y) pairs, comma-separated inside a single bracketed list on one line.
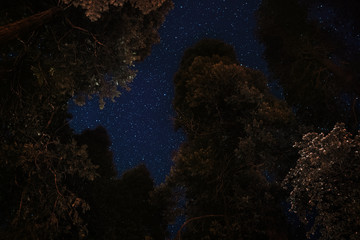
[(252, 166)]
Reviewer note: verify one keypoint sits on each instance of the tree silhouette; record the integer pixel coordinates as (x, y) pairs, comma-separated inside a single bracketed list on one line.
[(46, 61), (129, 208), (98, 144), (316, 65), (236, 132)]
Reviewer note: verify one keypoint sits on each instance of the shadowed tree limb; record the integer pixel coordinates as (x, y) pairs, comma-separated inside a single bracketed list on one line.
[(19, 28), (178, 235)]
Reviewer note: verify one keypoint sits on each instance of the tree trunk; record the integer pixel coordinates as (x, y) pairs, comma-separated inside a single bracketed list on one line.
[(19, 28)]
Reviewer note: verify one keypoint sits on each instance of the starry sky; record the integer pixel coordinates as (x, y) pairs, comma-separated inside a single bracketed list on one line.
[(140, 121)]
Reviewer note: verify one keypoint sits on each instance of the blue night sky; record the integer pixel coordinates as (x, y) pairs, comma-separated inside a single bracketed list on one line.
[(140, 121)]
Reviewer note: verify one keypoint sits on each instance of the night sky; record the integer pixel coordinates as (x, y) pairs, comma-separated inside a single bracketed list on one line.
[(140, 121)]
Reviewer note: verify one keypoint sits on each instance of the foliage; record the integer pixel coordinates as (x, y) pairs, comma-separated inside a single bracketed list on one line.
[(324, 183), (236, 132), (86, 58), (46, 207), (98, 144), (45, 169), (95, 8), (126, 208), (58, 185), (311, 48), (313, 59), (129, 207), (38, 154), (217, 96)]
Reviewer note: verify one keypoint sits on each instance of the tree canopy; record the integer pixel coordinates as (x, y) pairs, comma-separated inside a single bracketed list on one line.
[(81, 57), (232, 124), (312, 56), (243, 159), (324, 183), (312, 50), (50, 52)]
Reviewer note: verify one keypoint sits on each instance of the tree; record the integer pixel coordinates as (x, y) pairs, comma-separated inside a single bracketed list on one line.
[(98, 147), (314, 61), (94, 9), (83, 57), (37, 155), (39, 204), (129, 208), (237, 132), (120, 206), (324, 183), (40, 71)]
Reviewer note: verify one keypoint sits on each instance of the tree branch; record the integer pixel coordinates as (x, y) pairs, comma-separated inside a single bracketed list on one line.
[(178, 235), (19, 28)]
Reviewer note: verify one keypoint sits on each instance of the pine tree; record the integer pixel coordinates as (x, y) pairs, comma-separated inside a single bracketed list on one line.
[(237, 134)]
